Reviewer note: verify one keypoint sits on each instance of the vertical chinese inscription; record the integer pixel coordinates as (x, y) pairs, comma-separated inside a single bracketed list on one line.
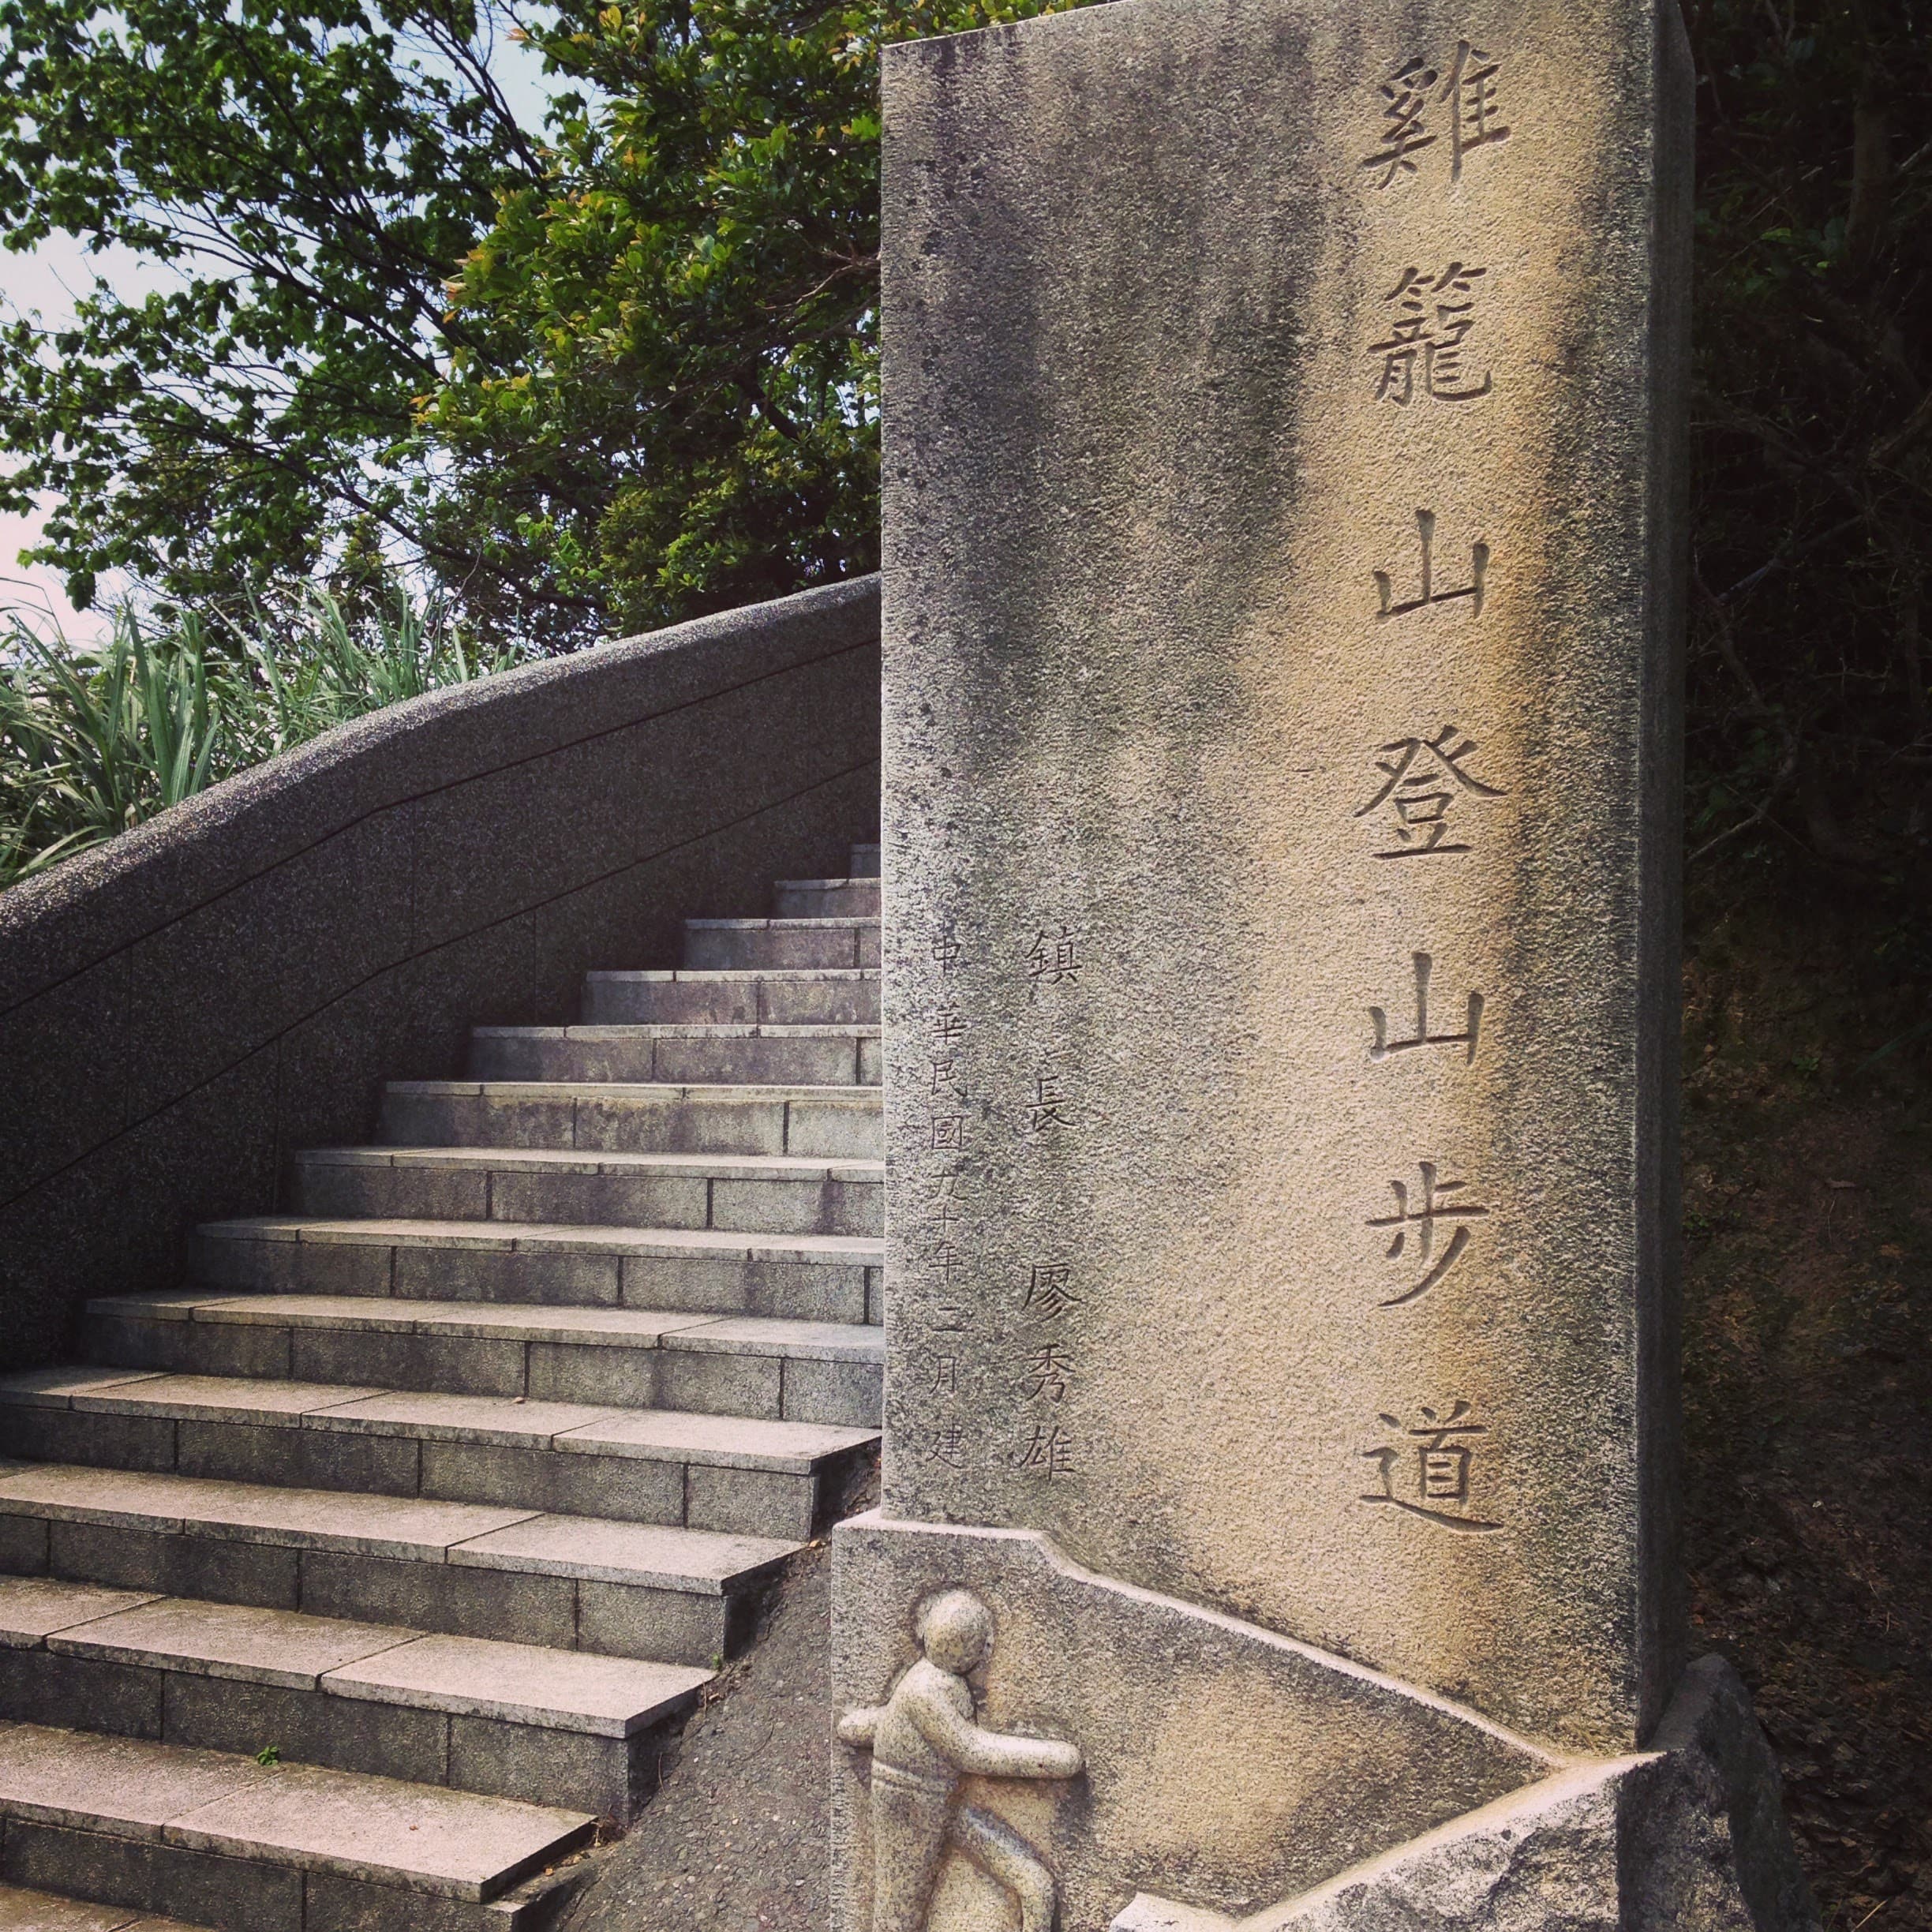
[(944, 1237), (1432, 111), (1044, 1365)]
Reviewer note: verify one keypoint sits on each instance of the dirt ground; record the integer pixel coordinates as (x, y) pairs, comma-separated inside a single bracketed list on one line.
[(1808, 1395), (1808, 1400)]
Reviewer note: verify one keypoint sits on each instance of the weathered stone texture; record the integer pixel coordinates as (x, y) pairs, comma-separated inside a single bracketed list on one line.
[(1221, 1760), (1187, 788), (1688, 1838)]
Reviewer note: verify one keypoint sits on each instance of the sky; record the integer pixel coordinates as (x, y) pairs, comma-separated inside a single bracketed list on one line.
[(50, 277)]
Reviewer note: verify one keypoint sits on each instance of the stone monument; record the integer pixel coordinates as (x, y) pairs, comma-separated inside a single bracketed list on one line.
[(1284, 553)]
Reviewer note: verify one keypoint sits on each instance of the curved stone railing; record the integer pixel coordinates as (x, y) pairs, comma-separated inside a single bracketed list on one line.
[(181, 1009)]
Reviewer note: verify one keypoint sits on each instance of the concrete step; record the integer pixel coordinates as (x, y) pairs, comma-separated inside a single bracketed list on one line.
[(813, 1056), (710, 1270), (824, 1123), (22, 1910), (747, 1366), (567, 1582), (286, 1848), (512, 1721), (826, 898), (865, 861), (847, 996), (756, 942), (736, 1475), (757, 1194)]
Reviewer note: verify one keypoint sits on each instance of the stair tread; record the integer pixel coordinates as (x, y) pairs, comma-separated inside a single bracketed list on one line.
[(845, 922), (420, 1837), (663, 975), (22, 1910), (238, 1641), (372, 1663), (747, 1335), (688, 1029), (32, 1608), (542, 1236), (571, 1160), (722, 1441), (750, 1092), (465, 1534)]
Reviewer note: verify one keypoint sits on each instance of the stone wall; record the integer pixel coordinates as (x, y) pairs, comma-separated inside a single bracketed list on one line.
[(181, 1009)]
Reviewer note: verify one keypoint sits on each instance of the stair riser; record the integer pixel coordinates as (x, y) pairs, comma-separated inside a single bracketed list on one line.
[(462, 1599), (829, 1129), (609, 1776), (616, 999), (754, 1062), (762, 1387), (798, 1291), (741, 949), (833, 899), (769, 1502), (340, 1192), (239, 1895)]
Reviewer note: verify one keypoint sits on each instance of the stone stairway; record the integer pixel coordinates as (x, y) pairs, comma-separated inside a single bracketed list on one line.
[(352, 1584)]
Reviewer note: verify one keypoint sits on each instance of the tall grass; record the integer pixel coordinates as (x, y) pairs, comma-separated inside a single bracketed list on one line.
[(95, 739)]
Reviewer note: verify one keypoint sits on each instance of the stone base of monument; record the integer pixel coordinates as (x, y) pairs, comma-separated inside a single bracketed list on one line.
[(1232, 1780)]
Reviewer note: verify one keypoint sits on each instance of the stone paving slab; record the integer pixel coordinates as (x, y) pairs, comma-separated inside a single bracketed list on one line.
[(699, 1561), (721, 1442), (756, 1335), (56, 1388), (570, 1160), (226, 1398), (377, 1526), (31, 1609), (522, 1684), (728, 975), (124, 1786), (548, 1238), (743, 1093), (689, 1029), (463, 1418), (234, 1641), (424, 1837)]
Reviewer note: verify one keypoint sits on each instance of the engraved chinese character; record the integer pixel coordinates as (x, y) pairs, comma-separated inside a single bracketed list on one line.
[(1052, 1105), (1434, 316), (946, 1131), (949, 1445), (950, 1318), (1049, 1291), (1418, 98), (1415, 1218), (1440, 1492), (1053, 959), (945, 951), (947, 1265), (1047, 1372), (1470, 92), (1383, 1046), (1048, 1451), (948, 1024), (947, 1078), (1422, 778), (1407, 91), (942, 1375), (1429, 593)]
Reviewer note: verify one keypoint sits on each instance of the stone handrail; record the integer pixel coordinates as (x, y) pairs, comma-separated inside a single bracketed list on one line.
[(181, 1009)]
